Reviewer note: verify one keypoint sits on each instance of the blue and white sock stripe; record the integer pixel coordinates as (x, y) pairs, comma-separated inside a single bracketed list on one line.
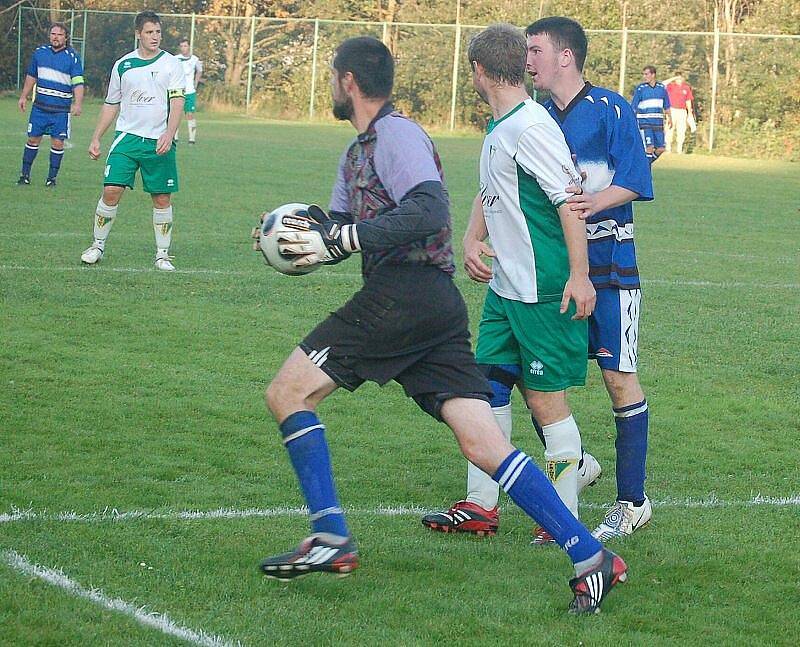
[(631, 410), (314, 516), (514, 469), (31, 148), (55, 151), (301, 432)]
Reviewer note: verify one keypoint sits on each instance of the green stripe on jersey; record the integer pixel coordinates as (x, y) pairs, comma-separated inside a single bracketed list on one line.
[(547, 237), (133, 62)]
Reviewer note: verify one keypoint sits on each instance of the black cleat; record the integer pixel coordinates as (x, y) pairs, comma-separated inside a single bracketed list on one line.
[(24, 180), (591, 587), (319, 553), (51, 181)]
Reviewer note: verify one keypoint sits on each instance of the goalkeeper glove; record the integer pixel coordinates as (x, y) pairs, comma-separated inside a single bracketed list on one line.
[(319, 239)]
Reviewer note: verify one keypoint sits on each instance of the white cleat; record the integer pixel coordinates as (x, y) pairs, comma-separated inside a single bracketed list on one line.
[(589, 472), (623, 519), (92, 255), (163, 263)]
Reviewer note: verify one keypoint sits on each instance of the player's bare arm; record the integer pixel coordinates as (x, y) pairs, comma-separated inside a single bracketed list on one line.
[(474, 245), (585, 204), (77, 101), (108, 113), (175, 114), (27, 88), (578, 287)]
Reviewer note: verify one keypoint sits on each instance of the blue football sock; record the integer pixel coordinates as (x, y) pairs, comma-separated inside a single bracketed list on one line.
[(304, 438), (529, 488), (28, 155), (631, 444), (55, 161)]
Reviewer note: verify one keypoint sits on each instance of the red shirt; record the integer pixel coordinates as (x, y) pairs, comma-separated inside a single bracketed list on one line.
[(679, 95)]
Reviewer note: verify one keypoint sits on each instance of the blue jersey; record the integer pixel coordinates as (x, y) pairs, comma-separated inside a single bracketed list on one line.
[(649, 103), (56, 74), (601, 132)]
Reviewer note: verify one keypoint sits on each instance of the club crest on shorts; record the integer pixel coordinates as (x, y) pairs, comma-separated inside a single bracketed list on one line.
[(536, 367)]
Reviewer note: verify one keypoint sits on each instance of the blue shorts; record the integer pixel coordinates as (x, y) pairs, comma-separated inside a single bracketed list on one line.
[(614, 329), (55, 124), (652, 137)]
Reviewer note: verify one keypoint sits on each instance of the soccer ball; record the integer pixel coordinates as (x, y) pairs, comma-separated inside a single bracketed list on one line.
[(269, 233)]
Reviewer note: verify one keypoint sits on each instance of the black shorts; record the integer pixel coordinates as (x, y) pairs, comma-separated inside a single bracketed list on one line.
[(408, 323)]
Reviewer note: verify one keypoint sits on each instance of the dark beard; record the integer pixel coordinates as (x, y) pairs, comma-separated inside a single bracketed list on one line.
[(343, 110)]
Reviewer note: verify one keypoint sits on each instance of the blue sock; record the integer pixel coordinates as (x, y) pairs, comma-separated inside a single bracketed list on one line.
[(631, 444), (304, 438), (28, 155), (529, 488), (55, 161)]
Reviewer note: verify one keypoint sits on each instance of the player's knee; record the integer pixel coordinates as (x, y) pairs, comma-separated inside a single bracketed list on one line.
[(112, 195), (34, 141), (161, 200), (277, 395), (623, 388), (57, 144), (649, 150)]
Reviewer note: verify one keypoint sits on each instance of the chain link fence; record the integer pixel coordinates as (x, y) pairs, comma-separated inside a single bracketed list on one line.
[(746, 95)]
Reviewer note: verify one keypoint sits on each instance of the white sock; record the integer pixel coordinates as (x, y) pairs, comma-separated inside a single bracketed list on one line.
[(162, 225), (482, 490), (562, 453), (192, 129), (103, 219)]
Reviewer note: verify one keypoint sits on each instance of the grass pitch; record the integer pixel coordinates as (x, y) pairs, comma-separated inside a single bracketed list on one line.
[(124, 390)]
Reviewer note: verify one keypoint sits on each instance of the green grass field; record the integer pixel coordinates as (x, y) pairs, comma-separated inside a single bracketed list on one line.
[(129, 396)]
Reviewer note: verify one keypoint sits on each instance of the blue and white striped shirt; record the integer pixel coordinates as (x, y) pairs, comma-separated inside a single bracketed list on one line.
[(649, 104), (56, 74)]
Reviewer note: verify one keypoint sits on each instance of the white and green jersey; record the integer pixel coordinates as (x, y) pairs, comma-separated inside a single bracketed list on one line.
[(191, 65), (143, 88), (525, 169)]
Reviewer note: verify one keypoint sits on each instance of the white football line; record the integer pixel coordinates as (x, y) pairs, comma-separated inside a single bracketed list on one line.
[(112, 514), (353, 275), (152, 619)]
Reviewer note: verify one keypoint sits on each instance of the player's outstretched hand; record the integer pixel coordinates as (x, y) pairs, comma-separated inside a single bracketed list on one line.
[(94, 149), (476, 269), (580, 290)]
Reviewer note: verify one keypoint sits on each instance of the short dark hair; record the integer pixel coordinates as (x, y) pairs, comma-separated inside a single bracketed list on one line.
[(649, 68), (500, 49), (565, 34), (183, 40), (146, 16), (371, 64)]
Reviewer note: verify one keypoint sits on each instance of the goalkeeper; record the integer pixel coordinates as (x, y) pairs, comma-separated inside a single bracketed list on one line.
[(407, 323)]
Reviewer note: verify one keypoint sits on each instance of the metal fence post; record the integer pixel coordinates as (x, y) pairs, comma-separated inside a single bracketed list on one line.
[(623, 55), (714, 78), (456, 54), (19, 46), (313, 70), (250, 62), (83, 40)]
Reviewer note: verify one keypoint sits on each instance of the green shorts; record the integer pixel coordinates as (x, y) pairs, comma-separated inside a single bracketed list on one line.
[(550, 347), (190, 102), (130, 153)]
